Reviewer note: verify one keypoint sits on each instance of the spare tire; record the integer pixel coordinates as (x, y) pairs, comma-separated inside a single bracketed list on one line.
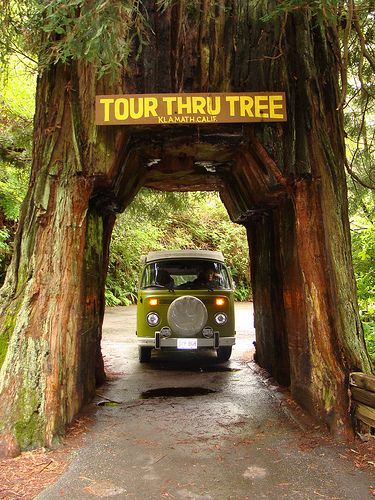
[(187, 316)]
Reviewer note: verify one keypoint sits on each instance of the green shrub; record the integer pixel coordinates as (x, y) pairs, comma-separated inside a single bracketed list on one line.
[(363, 248), (369, 329), (156, 221)]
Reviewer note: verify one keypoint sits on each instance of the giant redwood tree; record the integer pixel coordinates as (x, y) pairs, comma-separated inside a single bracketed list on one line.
[(284, 182)]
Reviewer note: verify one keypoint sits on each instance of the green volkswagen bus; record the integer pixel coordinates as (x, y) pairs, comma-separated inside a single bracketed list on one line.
[(185, 302)]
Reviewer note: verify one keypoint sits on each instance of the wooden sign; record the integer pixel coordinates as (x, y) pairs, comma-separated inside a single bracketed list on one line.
[(159, 109)]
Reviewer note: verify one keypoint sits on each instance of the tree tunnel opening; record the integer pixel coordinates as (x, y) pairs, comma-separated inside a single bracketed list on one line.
[(158, 220), (229, 160)]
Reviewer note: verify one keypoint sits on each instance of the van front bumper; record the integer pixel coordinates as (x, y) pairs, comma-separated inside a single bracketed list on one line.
[(159, 342)]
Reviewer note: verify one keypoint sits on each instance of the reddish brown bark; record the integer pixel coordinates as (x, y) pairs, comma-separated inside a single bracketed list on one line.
[(52, 302)]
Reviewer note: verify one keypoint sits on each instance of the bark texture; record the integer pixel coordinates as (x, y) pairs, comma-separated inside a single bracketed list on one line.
[(52, 301), (285, 182)]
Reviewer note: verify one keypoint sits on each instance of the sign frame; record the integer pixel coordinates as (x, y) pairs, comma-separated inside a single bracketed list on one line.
[(190, 108)]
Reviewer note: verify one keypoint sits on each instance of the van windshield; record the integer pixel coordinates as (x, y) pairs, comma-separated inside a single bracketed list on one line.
[(186, 274)]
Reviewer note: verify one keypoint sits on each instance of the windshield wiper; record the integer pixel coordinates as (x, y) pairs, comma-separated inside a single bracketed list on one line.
[(155, 285)]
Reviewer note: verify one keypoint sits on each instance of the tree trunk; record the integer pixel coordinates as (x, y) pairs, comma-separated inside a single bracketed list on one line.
[(285, 182), (52, 302)]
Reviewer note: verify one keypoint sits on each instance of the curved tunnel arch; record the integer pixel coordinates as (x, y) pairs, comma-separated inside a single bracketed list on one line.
[(281, 216), (231, 160)]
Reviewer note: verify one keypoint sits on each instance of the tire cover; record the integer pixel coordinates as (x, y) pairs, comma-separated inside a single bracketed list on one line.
[(187, 316)]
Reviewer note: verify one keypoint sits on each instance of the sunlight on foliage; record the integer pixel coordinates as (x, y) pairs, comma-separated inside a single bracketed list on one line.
[(17, 101), (363, 243), (13, 185), (18, 91)]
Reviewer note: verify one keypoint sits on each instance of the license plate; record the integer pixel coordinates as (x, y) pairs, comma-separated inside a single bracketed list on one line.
[(187, 343)]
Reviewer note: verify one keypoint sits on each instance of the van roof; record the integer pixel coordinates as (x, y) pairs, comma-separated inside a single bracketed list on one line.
[(183, 254)]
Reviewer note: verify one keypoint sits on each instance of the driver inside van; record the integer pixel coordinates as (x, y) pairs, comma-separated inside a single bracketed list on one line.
[(207, 277)]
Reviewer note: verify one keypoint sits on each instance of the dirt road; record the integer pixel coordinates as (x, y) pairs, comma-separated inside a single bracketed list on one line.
[(186, 427)]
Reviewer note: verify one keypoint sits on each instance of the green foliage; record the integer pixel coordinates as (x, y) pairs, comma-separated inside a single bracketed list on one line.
[(128, 244), (91, 31), (322, 10), (20, 37), (156, 221), (17, 103), (241, 292), (358, 65), (5, 251), (4, 235), (103, 32), (369, 329), (363, 243), (13, 184), (358, 50), (17, 95)]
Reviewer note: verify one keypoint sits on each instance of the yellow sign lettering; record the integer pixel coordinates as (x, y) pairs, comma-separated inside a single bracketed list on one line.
[(106, 102), (169, 101), (132, 111), (121, 109), (183, 107), (246, 106), (210, 109), (151, 104), (276, 103), (260, 108), (232, 99), (198, 105)]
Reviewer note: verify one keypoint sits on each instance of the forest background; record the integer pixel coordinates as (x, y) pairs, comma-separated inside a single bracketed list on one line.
[(159, 220)]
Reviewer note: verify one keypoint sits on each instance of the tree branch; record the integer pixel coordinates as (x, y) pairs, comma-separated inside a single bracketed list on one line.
[(345, 55), (356, 178), (362, 40)]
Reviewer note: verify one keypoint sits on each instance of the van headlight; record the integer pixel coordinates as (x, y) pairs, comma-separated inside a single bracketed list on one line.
[(152, 318), (221, 318)]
